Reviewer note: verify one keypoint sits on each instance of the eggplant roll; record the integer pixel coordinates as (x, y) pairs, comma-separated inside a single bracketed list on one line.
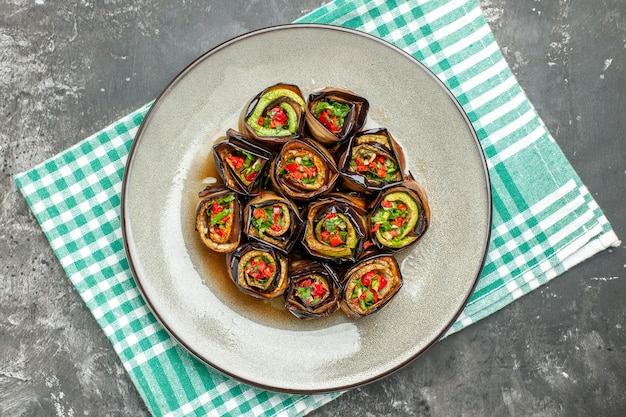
[(242, 165), (303, 170), (275, 116), (369, 285), (274, 220), (335, 228), (334, 115), (218, 218), (371, 161), (258, 270), (313, 289), (400, 216)]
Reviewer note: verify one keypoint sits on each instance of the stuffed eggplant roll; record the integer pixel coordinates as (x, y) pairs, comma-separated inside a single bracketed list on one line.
[(303, 170), (274, 220), (275, 116), (335, 228), (369, 285), (313, 289), (371, 161), (333, 115), (258, 270), (399, 216), (218, 218), (241, 164)]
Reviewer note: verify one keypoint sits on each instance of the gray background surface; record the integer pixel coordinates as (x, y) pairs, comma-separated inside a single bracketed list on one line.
[(68, 69)]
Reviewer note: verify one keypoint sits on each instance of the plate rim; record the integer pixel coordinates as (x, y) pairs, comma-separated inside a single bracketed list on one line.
[(146, 120)]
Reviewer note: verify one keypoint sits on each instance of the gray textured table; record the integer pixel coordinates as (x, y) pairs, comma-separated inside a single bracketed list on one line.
[(67, 70)]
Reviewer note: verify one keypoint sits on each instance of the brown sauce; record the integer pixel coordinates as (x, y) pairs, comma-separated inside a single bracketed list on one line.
[(211, 266)]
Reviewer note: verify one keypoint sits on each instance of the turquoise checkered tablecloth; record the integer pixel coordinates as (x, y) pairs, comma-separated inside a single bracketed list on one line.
[(544, 219)]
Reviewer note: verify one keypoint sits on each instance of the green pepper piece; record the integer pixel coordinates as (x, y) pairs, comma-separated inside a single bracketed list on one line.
[(412, 208), (264, 101)]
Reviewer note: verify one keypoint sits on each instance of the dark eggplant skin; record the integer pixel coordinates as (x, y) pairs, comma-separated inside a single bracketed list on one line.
[(278, 282), (405, 192), (353, 122), (312, 270), (383, 265), (287, 95), (327, 173), (380, 142), (209, 196), (236, 145), (352, 210), (285, 240)]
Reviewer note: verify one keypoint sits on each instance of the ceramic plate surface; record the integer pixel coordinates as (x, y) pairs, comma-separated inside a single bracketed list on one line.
[(257, 341)]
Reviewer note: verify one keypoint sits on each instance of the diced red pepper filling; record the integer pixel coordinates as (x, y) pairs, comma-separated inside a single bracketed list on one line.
[(220, 216), (332, 114), (268, 217), (312, 290), (367, 289), (391, 219), (329, 121), (333, 230), (374, 167), (300, 169), (275, 118), (259, 268), (246, 165)]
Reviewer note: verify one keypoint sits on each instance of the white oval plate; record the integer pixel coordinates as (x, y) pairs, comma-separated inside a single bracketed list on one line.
[(257, 341)]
